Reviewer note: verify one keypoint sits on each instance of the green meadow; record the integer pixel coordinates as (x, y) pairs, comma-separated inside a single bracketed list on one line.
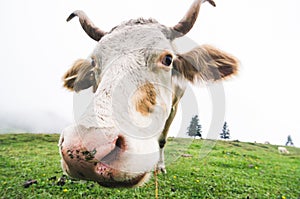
[(30, 168)]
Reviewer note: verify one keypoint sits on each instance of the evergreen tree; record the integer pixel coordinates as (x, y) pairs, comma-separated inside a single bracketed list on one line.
[(225, 131), (194, 128)]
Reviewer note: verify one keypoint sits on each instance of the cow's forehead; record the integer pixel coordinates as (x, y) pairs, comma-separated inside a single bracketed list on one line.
[(133, 37)]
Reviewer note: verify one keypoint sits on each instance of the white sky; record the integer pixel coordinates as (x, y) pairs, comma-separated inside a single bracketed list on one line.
[(262, 102)]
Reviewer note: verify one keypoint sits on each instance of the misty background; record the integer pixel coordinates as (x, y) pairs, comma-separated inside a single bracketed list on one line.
[(262, 102)]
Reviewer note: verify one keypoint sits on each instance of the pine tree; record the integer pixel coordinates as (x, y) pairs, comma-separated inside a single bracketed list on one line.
[(225, 131), (194, 128)]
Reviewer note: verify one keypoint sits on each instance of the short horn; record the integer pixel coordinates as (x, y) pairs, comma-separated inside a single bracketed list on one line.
[(188, 21), (88, 26)]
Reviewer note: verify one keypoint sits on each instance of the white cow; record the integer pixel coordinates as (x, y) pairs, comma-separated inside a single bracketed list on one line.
[(138, 79), (283, 150)]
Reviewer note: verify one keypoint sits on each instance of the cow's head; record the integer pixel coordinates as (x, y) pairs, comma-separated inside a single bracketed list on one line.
[(137, 78)]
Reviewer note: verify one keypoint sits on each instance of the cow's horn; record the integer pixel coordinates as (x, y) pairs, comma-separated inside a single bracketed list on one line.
[(88, 26), (187, 22)]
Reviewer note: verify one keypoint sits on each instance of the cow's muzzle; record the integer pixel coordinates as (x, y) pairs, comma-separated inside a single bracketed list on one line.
[(90, 154)]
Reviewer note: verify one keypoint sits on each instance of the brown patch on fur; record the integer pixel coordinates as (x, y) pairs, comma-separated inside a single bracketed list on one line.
[(205, 63), (145, 99)]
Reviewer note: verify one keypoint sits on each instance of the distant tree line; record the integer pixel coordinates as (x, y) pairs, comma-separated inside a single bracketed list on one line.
[(195, 129)]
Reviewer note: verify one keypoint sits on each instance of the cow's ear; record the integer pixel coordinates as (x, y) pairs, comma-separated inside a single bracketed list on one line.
[(80, 76), (205, 63)]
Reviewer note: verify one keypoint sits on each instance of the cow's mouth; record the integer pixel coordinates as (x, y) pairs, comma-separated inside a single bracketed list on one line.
[(109, 179), (108, 164)]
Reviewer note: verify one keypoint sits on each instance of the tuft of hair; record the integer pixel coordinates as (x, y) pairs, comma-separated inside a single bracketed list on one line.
[(70, 76), (205, 63), (133, 22), (227, 64)]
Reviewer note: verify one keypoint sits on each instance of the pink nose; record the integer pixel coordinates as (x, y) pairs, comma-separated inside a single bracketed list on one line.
[(81, 155)]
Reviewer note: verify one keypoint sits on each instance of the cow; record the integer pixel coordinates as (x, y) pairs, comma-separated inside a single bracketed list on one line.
[(283, 150), (137, 79)]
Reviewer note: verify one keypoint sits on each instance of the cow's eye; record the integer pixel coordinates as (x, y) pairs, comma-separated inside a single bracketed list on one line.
[(167, 60)]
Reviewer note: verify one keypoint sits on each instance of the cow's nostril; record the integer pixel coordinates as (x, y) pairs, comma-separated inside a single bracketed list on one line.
[(120, 142)]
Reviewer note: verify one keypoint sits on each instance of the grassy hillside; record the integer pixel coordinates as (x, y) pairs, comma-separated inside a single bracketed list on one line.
[(231, 170)]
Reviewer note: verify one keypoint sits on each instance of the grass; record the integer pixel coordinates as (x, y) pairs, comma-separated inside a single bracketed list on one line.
[(231, 170)]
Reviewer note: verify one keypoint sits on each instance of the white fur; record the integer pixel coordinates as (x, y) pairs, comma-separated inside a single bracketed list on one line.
[(283, 150), (111, 112)]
